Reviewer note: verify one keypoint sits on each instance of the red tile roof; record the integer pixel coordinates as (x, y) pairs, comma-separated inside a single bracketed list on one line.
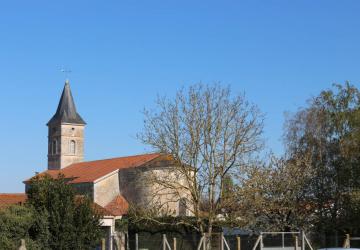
[(12, 199), (92, 170), (118, 206), (101, 210)]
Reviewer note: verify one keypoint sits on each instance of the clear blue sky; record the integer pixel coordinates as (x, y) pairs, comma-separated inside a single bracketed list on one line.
[(124, 53)]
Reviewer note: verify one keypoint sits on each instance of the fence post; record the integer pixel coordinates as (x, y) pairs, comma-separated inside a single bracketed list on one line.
[(174, 244), (127, 241), (222, 241), (257, 243), (302, 240), (103, 244), (238, 240), (22, 247), (201, 242), (163, 241), (296, 242), (136, 241), (347, 241), (204, 242), (261, 241), (283, 239), (308, 242)]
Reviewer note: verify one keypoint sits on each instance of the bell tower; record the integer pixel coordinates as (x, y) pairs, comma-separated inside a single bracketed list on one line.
[(66, 133)]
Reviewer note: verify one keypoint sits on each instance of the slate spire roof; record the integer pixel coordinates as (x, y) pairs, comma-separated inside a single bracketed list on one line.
[(66, 111)]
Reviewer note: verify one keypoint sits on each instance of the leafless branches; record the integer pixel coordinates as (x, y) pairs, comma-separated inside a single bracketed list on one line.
[(210, 134)]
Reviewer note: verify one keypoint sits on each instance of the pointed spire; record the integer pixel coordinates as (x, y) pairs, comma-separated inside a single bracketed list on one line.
[(66, 111)]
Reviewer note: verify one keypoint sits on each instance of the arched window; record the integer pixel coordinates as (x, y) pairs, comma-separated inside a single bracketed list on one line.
[(54, 147), (72, 147), (182, 207)]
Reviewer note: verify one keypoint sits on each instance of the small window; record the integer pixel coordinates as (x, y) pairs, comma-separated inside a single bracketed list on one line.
[(72, 147), (54, 147), (182, 207)]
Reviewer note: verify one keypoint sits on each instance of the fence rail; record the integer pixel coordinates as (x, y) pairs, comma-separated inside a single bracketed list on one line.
[(219, 241)]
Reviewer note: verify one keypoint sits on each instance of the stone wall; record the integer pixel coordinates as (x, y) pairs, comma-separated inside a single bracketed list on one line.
[(132, 186), (76, 133), (138, 187), (64, 134), (106, 189)]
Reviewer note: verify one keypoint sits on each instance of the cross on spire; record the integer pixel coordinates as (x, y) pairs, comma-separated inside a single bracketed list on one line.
[(66, 73)]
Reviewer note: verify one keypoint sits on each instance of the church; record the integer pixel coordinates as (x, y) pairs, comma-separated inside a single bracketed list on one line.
[(112, 184)]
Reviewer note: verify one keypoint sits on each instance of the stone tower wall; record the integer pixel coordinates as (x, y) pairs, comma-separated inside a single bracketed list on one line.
[(64, 134)]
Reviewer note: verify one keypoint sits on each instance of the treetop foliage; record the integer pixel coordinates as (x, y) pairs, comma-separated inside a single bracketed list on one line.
[(52, 218)]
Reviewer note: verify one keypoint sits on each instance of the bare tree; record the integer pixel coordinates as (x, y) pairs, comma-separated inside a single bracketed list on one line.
[(210, 134)]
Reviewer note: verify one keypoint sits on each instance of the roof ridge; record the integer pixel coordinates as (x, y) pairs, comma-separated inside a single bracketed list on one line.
[(116, 158), (93, 170)]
